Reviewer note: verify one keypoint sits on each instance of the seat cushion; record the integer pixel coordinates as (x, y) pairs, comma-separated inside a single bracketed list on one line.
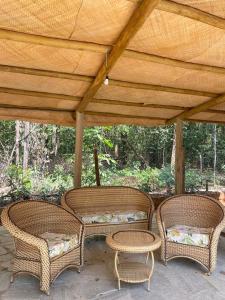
[(189, 235), (115, 218), (59, 243)]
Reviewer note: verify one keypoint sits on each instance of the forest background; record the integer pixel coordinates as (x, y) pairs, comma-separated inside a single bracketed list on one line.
[(36, 160)]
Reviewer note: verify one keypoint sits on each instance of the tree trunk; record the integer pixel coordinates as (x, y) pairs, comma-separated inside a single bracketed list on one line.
[(163, 157), (26, 145), (215, 153), (201, 163), (17, 144), (55, 140), (173, 155)]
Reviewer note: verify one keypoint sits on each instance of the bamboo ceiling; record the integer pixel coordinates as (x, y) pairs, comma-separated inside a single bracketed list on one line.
[(165, 60)]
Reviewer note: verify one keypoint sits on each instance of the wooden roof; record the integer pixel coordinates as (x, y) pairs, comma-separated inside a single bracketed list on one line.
[(165, 60)]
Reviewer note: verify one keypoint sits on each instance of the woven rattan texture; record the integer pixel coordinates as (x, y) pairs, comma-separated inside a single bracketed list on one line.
[(94, 200), (191, 210), (77, 34), (26, 220), (134, 241)]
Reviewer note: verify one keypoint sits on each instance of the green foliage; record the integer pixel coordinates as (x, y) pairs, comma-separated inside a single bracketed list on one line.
[(20, 181), (167, 177), (128, 155), (193, 180)]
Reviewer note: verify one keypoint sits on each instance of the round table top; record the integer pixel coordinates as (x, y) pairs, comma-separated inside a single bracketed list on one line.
[(134, 241)]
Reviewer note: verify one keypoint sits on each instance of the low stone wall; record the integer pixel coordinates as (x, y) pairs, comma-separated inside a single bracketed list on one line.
[(158, 198)]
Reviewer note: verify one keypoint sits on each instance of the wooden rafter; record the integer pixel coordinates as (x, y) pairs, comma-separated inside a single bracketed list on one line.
[(98, 48), (107, 114), (197, 109), (113, 82), (172, 62), (154, 87), (52, 96), (189, 12), (110, 102), (192, 13), (134, 24)]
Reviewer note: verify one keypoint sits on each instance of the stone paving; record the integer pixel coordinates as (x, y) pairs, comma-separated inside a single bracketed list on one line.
[(181, 279)]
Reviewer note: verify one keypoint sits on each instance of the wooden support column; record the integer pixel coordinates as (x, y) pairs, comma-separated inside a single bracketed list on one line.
[(179, 159), (78, 149)]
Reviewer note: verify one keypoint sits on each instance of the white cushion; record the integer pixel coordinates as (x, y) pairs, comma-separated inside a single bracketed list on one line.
[(188, 235), (115, 218)]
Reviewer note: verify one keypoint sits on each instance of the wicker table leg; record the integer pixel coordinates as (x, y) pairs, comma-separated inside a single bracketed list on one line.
[(152, 267), (116, 260)]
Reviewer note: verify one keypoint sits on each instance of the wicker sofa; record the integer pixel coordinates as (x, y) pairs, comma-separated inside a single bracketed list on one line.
[(35, 226), (106, 209), (195, 223)]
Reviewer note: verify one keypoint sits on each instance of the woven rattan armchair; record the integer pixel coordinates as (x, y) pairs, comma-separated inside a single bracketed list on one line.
[(26, 220), (191, 210)]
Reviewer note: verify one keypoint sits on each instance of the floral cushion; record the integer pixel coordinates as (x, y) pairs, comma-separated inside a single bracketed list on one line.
[(59, 243), (189, 235), (120, 217)]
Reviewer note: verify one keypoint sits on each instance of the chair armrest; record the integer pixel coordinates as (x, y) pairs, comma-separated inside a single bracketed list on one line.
[(21, 234), (161, 225)]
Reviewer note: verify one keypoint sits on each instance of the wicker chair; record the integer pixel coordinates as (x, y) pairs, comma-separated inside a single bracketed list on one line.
[(195, 211), (26, 220), (109, 199)]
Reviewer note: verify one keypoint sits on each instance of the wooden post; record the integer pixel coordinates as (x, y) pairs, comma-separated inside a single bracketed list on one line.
[(78, 149), (97, 176), (179, 159)]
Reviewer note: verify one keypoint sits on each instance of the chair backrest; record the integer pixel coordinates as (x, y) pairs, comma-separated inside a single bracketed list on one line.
[(191, 210), (36, 217), (96, 199)]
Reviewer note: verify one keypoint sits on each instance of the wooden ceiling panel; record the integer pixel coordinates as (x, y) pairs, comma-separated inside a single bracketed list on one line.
[(37, 102), (98, 21), (209, 117), (177, 37), (133, 111), (43, 84), (148, 96), (214, 7), (129, 69), (50, 58)]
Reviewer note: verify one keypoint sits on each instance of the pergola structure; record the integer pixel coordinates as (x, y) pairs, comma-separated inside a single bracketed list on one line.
[(165, 61)]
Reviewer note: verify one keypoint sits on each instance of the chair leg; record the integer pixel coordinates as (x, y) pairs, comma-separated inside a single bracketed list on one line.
[(12, 278)]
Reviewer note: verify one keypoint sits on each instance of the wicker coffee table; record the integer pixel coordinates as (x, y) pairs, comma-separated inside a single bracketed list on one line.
[(134, 241)]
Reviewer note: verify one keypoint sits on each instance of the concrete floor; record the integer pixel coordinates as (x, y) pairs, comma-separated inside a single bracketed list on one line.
[(181, 279)]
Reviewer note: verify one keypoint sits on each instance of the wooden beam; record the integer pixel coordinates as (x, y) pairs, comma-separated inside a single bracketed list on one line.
[(134, 24), (111, 102), (38, 94), (113, 82), (197, 109), (189, 12), (52, 96), (192, 13), (179, 159), (46, 73), (154, 87), (96, 48), (107, 114), (78, 149), (135, 104), (172, 62), (50, 41), (44, 116)]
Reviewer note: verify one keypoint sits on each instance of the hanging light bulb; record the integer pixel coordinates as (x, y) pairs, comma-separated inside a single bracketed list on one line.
[(106, 81)]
